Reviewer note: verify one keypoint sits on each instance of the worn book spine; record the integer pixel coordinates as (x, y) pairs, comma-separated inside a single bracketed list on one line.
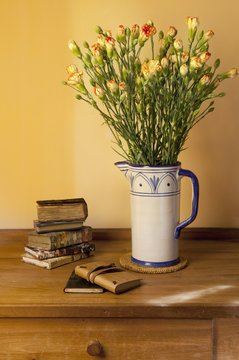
[(42, 254), (62, 210), (55, 240), (60, 202), (44, 227), (55, 262)]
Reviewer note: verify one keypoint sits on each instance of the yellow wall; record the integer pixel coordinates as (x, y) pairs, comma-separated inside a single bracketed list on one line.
[(53, 146)]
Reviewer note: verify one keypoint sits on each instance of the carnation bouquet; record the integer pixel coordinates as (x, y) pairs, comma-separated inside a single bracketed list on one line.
[(150, 105)]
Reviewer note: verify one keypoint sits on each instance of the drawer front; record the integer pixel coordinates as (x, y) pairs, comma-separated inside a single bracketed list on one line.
[(126, 339), (226, 339)]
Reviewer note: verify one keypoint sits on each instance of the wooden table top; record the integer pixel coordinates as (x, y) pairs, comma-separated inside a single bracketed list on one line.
[(207, 288)]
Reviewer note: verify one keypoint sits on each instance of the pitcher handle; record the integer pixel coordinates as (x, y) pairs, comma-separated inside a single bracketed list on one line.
[(193, 215)]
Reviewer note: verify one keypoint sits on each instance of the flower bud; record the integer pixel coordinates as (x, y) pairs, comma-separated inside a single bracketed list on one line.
[(109, 44), (205, 80), (178, 44), (205, 56), (121, 34), (150, 68), (113, 86), (232, 73), (172, 31), (127, 31), (228, 74), (161, 35), (173, 58), (195, 62), (164, 62), (71, 69), (183, 69), (74, 48), (98, 30), (96, 50), (97, 55), (122, 86), (207, 36), (135, 31), (217, 63), (162, 47), (139, 107), (99, 92), (101, 41), (87, 57), (122, 97), (75, 78), (145, 32), (86, 45), (184, 57), (192, 22), (154, 67)]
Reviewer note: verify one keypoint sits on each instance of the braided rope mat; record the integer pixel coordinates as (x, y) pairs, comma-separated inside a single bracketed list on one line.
[(127, 263)]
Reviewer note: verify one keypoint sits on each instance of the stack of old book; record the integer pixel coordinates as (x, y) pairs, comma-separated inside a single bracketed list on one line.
[(60, 236)]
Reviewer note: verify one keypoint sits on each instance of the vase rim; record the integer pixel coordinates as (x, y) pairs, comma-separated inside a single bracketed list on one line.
[(178, 163)]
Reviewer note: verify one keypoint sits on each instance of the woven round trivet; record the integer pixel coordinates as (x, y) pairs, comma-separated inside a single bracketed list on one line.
[(127, 263)]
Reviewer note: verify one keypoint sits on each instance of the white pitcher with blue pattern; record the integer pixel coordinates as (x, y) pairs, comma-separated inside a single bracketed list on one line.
[(155, 206)]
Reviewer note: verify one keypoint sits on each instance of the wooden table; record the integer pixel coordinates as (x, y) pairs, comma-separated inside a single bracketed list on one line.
[(189, 314)]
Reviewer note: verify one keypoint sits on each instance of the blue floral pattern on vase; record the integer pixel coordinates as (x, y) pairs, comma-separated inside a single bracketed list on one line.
[(147, 183)]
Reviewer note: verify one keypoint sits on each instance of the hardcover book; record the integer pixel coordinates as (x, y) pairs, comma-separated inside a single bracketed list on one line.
[(42, 254), (62, 210), (56, 240), (54, 262), (44, 227), (77, 284)]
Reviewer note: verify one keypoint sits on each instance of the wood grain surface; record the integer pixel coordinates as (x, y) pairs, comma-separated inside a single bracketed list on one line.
[(189, 314), (226, 339), (208, 288), (127, 339)]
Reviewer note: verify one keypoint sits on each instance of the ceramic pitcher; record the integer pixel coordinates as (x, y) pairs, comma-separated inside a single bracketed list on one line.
[(155, 206)]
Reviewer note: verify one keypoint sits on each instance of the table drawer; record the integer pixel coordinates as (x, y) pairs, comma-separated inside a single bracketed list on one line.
[(226, 339), (126, 339)]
